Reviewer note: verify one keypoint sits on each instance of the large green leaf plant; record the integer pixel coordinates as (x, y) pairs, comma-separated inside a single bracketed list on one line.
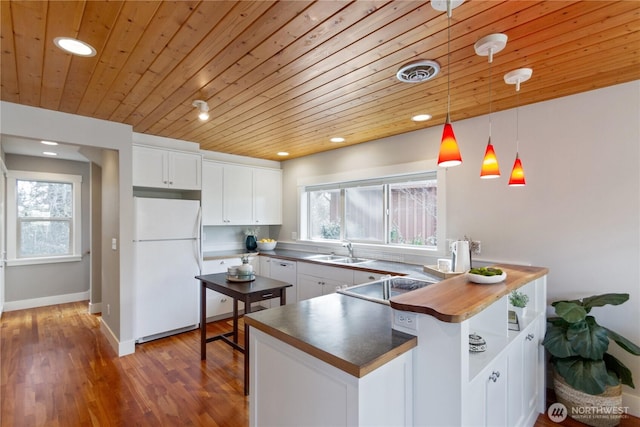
[(578, 345)]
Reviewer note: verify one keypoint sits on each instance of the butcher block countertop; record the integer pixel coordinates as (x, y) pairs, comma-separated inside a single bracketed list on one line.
[(348, 333), (457, 299)]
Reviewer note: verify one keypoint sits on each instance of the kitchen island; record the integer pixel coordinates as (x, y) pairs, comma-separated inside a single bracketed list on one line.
[(304, 370), (331, 360)]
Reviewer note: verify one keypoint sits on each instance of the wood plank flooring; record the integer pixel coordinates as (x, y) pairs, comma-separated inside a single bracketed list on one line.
[(57, 369)]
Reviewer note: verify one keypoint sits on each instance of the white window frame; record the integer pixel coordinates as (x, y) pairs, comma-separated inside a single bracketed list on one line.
[(12, 217)]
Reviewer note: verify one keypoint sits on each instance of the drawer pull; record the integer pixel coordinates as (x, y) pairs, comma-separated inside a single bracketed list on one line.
[(494, 376), (530, 337), (267, 295)]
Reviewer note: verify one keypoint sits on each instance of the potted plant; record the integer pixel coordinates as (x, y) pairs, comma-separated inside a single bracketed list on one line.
[(518, 301), (587, 379)]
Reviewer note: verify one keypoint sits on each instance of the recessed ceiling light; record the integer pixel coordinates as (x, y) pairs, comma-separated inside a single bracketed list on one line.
[(74, 46), (282, 153), (337, 139), (49, 143), (49, 153), (421, 117)]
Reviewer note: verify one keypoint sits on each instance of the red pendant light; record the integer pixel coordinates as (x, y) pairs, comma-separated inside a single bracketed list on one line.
[(516, 77), (488, 46), (517, 174), (490, 167), (449, 154)]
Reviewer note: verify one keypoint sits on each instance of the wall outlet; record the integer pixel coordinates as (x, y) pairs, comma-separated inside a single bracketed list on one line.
[(475, 247), (406, 319)]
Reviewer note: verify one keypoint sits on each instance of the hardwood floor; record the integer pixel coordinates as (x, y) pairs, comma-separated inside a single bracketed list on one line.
[(57, 369)]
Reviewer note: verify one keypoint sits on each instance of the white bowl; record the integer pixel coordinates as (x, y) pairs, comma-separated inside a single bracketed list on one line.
[(483, 280), (267, 246)]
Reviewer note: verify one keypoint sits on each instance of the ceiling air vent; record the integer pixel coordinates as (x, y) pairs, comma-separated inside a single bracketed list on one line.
[(418, 71)]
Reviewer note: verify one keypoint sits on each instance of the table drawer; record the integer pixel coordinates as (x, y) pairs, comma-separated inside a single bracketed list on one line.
[(264, 296)]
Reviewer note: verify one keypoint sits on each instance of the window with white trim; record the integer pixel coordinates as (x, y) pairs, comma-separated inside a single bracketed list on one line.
[(43, 217), (395, 210)]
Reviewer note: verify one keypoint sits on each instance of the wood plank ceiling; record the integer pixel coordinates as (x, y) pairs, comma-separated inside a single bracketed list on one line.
[(289, 75)]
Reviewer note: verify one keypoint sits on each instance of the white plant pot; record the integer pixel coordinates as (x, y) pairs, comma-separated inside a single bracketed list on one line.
[(521, 312)]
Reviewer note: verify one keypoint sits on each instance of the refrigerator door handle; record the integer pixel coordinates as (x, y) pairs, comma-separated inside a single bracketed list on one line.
[(196, 253), (198, 243)]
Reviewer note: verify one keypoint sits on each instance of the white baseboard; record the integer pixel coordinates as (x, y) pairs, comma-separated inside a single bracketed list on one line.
[(632, 403), (44, 301), (122, 348), (95, 308)]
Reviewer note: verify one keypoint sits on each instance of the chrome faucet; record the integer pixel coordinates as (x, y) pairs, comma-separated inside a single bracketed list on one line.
[(347, 244)]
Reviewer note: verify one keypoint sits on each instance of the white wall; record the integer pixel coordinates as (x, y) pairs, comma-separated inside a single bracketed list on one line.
[(25, 285), (579, 214), (37, 123)]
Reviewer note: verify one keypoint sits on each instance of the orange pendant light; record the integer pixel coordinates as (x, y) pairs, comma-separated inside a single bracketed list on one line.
[(516, 77), (449, 152), (488, 46), (517, 174), (490, 167)]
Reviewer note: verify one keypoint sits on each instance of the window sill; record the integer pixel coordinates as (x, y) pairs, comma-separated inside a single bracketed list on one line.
[(43, 260)]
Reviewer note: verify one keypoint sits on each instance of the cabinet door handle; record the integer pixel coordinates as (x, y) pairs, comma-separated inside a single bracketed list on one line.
[(530, 337), (494, 376), (372, 278)]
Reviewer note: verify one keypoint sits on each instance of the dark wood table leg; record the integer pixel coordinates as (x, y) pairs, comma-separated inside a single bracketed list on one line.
[(283, 296), (246, 359), (235, 320), (247, 310), (203, 321)]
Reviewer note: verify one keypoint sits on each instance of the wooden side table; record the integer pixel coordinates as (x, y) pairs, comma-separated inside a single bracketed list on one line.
[(260, 289)]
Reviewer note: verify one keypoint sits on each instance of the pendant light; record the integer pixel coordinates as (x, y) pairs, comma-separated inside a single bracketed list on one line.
[(488, 46), (516, 77), (449, 154)]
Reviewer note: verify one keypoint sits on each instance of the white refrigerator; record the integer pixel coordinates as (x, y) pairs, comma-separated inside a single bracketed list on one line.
[(167, 257)]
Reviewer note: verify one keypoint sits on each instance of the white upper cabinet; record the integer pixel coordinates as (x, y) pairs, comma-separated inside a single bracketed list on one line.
[(159, 168), (240, 195), (237, 195), (267, 196)]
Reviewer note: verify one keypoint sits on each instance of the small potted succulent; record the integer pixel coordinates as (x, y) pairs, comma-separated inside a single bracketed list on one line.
[(585, 375)]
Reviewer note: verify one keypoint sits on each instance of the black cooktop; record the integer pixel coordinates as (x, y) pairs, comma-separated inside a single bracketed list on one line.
[(382, 290)]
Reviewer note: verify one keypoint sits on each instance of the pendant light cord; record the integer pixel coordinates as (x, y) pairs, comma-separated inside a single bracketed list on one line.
[(517, 123), (448, 66), (490, 99)]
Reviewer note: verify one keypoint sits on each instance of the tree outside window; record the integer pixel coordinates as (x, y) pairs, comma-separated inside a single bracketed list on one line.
[(45, 216), (392, 211)]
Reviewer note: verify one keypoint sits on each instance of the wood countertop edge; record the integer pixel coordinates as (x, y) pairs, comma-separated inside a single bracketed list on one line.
[(443, 300), (357, 371)]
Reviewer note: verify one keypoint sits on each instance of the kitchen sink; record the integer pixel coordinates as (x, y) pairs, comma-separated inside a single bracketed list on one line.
[(332, 258), (338, 259), (352, 260)]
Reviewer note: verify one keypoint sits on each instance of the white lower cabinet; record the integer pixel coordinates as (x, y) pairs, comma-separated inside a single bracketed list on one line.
[(285, 271), (488, 396), (525, 360), (220, 306), (502, 386), (316, 280), (322, 395)]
